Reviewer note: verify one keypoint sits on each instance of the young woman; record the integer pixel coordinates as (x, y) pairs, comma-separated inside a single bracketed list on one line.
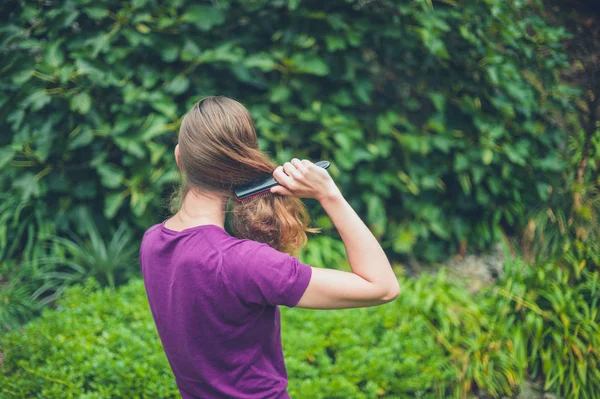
[(214, 296)]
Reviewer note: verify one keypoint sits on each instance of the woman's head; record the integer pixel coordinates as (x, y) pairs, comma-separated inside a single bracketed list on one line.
[(218, 150)]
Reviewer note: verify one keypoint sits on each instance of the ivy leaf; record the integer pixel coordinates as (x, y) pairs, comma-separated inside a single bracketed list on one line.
[(310, 64), (29, 186), (487, 156), (82, 139), (334, 43), (96, 12), (54, 55), (81, 103), (37, 100), (190, 51), (142, 28), (178, 85), (158, 127), (262, 61), (279, 94), (203, 17), (110, 176)]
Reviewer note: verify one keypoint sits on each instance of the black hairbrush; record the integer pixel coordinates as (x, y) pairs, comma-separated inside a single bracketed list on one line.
[(262, 187)]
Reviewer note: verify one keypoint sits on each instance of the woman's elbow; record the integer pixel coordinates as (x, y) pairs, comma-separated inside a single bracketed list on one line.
[(392, 293)]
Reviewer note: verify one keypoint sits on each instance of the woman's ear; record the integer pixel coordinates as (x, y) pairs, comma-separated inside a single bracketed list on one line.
[(177, 160)]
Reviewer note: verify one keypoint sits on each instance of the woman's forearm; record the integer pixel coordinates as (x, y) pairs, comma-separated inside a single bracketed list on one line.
[(365, 255)]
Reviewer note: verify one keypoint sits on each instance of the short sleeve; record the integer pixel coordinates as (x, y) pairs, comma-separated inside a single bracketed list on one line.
[(260, 274)]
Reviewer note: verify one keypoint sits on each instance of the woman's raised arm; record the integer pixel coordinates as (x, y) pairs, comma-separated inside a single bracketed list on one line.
[(372, 281)]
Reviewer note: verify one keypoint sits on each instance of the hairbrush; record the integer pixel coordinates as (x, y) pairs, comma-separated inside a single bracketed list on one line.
[(262, 187)]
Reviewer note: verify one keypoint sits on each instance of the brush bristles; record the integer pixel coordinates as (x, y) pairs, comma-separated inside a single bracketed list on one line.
[(253, 196)]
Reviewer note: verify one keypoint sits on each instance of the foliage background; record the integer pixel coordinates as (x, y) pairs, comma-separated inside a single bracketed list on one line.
[(449, 125), (441, 122)]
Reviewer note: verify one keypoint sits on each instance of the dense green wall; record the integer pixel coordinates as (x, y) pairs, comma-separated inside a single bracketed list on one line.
[(441, 119)]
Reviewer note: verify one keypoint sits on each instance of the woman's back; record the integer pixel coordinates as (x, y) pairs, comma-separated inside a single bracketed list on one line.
[(213, 298)]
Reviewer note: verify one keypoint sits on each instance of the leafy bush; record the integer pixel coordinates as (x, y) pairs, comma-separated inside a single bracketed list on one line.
[(438, 120), (428, 343), (31, 285), (90, 348), (553, 315), (436, 340)]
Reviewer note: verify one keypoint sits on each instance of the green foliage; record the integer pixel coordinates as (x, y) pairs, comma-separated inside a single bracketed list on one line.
[(436, 340), (16, 303), (554, 318), (569, 220), (26, 288), (438, 120), (90, 348), (108, 261), (433, 341)]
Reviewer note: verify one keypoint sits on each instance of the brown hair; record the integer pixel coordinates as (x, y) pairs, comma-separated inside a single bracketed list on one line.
[(218, 150)]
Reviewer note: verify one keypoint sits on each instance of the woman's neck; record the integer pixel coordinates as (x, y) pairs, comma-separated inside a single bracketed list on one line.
[(198, 209)]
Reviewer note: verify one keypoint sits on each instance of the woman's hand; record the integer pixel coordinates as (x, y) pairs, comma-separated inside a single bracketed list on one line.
[(304, 179)]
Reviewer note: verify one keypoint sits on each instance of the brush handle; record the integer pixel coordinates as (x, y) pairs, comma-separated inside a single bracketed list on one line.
[(252, 189)]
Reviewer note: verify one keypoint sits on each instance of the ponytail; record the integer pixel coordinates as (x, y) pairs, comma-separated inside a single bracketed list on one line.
[(219, 151)]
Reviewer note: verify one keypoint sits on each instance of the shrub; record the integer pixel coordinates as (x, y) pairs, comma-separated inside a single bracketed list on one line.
[(436, 340), (30, 285), (430, 342), (553, 316), (98, 344)]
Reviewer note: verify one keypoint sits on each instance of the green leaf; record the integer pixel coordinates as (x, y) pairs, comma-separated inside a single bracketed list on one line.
[(81, 103), (112, 204), (37, 100), (82, 139), (461, 162), (6, 155), (190, 51), (439, 101), (142, 28), (21, 77), (405, 240), (204, 17), (132, 146), (169, 53), (334, 43), (96, 12), (98, 43), (279, 94), (157, 128), (440, 229), (261, 61), (310, 64), (542, 189), (376, 214), (178, 85), (110, 176), (28, 185), (487, 156), (54, 55)]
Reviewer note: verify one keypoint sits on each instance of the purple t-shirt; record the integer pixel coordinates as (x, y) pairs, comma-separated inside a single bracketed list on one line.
[(214, 300)]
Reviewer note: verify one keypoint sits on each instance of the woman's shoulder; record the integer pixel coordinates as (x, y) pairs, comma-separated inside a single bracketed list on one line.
[(152, 228)]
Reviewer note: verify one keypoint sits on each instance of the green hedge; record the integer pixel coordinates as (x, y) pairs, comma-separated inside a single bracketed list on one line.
[(435, 340), (102, 343), (439, 120)]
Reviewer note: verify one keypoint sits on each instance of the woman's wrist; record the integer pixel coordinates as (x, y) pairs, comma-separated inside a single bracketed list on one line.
[(331, 196)]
